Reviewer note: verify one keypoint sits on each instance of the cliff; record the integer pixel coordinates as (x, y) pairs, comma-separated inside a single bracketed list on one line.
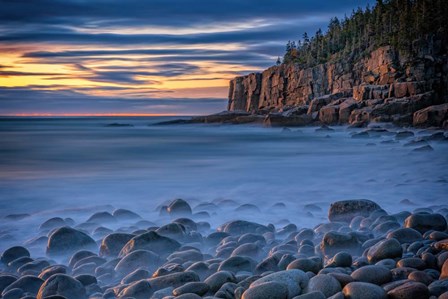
[(384, 86)]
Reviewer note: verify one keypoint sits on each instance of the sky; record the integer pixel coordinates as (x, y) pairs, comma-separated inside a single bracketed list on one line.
[(143, 57)]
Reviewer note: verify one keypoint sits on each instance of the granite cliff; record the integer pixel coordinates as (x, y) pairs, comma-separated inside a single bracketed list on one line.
[(385, 86)]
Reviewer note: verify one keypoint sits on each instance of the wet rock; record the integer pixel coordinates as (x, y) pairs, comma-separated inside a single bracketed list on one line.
[(5, 281), (314, 295), (239, 227), (237, 263), (267, 290), (14, 253), (431, 116), (138, 290), (425, 222), (136, 275), (86, 280), (216, 280), (304, 264), (138, 259), (123, 214), (373, 274), (334, 242), (412, 262), (78, 256), (28, 284), (179, 207), (67, 240), (444, 270), (363, 290), (102, 217), (341, 259), (385, 249), (409, 290), (421, 276), (112, 244), (151, 241), (438, 287), (52, 223), (295, 280), (199, 288), (173, 280), (324, 283), (346, 210), (405, 235), (425, 148)]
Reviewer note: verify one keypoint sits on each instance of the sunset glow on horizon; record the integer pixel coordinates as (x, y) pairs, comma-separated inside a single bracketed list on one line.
[(141, 57)]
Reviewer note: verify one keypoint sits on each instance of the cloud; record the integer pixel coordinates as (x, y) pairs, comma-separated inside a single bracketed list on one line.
[(135, 46)]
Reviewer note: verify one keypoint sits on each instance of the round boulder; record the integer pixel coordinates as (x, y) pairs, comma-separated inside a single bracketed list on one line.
[(267, 290), (363, 290), (346, 210), (425, 222), (67, 240), (63, 285)]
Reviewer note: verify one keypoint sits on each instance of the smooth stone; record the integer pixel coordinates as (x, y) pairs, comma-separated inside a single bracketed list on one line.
[(199, 288), (174, 280), (295, 280), (63, 285), (438, 287), (52, 223), (346, 210), (13, 294), (138, 290), (78, 256), (343, 278), (6, 280), (240, 227), (112, 244), (267, 290), (151, 241), (324, 283), (305, 265), (425, 222), (139, 259), (67, 240), (373, 274), (363, 290), (189, 296), (312, 295), (405, 235), (102, 217), (179, 207), (409, 290), (86, 279), (216, 280), (444, 270), (123, 214), (56, 269), (385, 249), (237, 263), (412, 262), (14, 253), (340, 259), (421, 276), (136, 275), (27, 283), (334, 242)]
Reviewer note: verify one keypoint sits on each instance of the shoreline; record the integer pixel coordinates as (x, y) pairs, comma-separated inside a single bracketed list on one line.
[(360, 251)]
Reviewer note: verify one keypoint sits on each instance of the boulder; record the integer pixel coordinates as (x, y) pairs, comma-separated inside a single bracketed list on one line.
[(431, 116), (62, 285), (363, 290), (112, 244), (151, 241), (425, 222), (346, 210), (385, 249), (267, 290), (295, 281), (67, 240)]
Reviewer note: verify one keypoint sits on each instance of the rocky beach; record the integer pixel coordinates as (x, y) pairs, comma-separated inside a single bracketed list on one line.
[(360, 251), (393, 245)]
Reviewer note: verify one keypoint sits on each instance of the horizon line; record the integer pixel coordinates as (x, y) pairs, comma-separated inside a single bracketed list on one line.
[(91, 114)]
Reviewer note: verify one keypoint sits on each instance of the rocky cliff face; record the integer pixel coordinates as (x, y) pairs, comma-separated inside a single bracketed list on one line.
[(384, 86)]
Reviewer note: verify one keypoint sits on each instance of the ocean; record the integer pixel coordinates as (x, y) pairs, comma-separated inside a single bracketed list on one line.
[(72, 167)]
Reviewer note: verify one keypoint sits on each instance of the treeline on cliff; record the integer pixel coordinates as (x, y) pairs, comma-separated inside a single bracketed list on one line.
[(399, 23)]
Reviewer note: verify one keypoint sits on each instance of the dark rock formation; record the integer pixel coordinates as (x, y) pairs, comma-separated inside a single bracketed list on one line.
[(385, 86)]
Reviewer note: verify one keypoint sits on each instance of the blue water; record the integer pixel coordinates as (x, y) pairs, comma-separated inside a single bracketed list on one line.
[(73, 166)]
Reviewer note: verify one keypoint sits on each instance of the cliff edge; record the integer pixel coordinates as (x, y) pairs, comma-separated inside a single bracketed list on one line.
[(385, 86)]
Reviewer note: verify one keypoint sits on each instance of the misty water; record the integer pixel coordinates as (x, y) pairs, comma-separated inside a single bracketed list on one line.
[(73, 167)]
